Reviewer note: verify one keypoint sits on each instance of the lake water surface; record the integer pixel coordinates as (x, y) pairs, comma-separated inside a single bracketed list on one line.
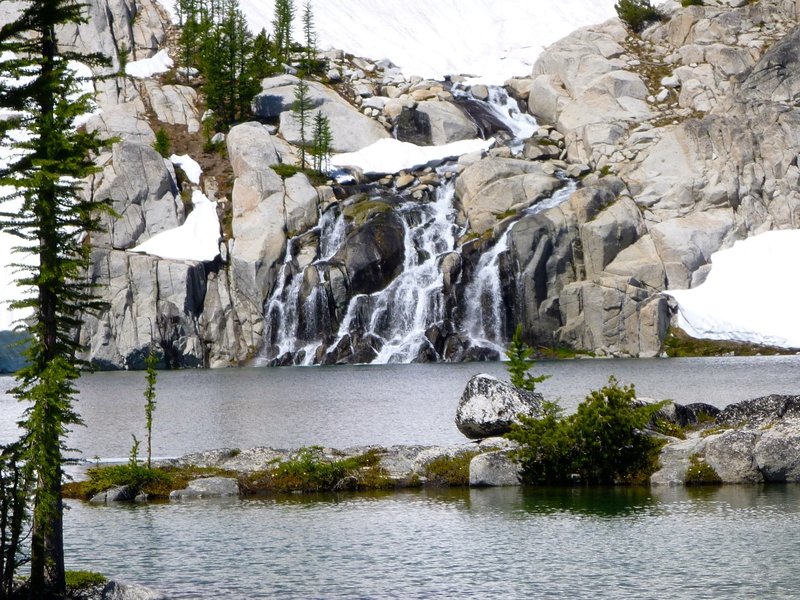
[(733, 542)]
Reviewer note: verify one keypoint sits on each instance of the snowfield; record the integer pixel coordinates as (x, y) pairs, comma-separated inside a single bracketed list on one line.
[(490, 39), (750, 295), (391, 156), (196, 239)]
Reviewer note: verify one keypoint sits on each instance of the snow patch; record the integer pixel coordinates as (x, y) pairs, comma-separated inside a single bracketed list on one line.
[(750, 295), (196, 239), (491, 39), (190, 166), (391, 156), (147, 67)]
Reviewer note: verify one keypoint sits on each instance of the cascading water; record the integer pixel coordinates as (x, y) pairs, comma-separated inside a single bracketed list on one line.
[(315, 314), (484, 319)]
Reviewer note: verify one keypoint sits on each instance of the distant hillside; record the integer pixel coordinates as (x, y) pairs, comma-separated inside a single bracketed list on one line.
[(10, 352)]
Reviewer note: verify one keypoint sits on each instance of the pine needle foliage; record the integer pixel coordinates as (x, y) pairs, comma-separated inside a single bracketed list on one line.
[(638, 14), (520, 362), (50, 158), (151, 376), (301, 109)]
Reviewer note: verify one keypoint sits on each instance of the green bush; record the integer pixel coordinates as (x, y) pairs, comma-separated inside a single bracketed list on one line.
[(81, 580), (637, 14), (603, 442), (162, 144), (700, 472), (685, 3)]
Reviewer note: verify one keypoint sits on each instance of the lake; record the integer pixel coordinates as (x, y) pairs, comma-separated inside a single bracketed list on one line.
[(733, 542)]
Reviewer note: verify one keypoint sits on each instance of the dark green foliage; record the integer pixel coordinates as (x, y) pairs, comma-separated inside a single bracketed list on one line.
[(162, 145), (669, 428), (700, 472), (282, 30), (54, 159), (637, 14), (82, 580), (150, 400), (321, 143), (309, 61), (301, 108), (520, 362), (686, 3), (13, 517), (603, 442), (285, 170)]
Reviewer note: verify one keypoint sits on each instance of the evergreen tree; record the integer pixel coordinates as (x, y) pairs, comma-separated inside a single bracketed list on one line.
[(261, 64), (301, 108), (150, 400), (282, 29), (46, 174), (310, 35), (322, 139), (520, 362)]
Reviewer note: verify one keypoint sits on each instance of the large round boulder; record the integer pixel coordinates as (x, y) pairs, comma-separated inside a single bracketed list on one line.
[(489, 407)]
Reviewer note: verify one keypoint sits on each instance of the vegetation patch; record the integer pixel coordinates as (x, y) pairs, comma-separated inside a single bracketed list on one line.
[(669, 428), (602, 443), (157, 482), (679, 344), (714, 430), (360, 212), (450, 471), (81, 580), (700, 472), (311, 471)]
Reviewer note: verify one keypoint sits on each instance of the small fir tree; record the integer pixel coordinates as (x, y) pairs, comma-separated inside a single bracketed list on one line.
[(322, 140), (301, 108), (310, 35), (282, 29), (150, 400), (520, 362)]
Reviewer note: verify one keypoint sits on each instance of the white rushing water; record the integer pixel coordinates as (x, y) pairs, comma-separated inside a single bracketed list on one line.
[(484, 319)]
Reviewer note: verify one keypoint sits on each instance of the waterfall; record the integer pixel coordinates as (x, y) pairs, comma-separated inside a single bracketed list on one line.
[(521, 124), (483, 299)]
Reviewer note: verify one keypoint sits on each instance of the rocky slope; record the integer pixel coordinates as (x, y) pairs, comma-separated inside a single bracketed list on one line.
[(685, 139)]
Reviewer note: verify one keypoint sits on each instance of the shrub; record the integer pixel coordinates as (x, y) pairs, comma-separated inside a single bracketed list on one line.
[(700, 472), (637, 14), (450, 470), (603, 442), (162, 144), (81, 580), (686, 3)]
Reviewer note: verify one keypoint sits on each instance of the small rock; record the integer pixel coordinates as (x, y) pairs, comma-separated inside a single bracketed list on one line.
[(488, 407), (207, 487), (494, 469), (403, 181), (479, 92)]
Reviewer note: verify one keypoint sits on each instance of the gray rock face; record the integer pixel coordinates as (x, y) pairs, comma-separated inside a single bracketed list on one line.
[(731, 454), (494, 469), (208, 487), (760, 412), (141, 187), (489, 188), (251, 148), (373, 254), (350, 129), (448, 123), (675, 461), (150, 301), (488, 407)]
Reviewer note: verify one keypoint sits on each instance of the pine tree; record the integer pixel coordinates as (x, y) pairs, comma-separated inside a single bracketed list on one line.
[(301, 108), (322, 139), (520, 362), (310, 35), (46, 173), (150, 400), (282, 29)]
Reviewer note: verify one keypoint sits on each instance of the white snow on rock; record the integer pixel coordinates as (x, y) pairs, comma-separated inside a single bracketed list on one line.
[(391, 156), (147, 67), (189, 166), (492, 39), (196, 239), (750, 295)]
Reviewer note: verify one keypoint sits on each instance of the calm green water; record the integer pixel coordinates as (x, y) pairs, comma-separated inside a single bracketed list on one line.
[(732, 542)]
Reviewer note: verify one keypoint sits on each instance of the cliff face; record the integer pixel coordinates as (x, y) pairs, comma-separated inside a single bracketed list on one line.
[(696, 124), (686, 139)]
